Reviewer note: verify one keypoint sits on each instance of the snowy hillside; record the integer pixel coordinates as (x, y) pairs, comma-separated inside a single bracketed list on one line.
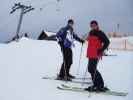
[(23, 64)]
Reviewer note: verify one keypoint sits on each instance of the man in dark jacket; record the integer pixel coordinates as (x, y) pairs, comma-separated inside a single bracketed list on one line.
[(97, 43), (66, 37)]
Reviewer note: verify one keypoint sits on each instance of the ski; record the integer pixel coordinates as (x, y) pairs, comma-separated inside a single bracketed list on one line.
[(79, 89), (76, 80), (107, 55)]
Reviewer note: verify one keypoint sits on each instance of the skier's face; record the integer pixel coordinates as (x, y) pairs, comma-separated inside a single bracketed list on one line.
[(71, 24), (94, 26)]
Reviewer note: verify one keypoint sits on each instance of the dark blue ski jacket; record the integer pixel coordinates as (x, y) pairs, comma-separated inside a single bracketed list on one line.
[(66, 36)]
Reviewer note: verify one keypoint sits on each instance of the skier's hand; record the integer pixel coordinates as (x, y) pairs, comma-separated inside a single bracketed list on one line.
[(99, 51), (82, 41)]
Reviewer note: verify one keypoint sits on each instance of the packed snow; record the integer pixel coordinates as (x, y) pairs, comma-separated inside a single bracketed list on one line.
[(24, 63)]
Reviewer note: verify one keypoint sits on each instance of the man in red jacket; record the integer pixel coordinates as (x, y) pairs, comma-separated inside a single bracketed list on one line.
[(97, 43)]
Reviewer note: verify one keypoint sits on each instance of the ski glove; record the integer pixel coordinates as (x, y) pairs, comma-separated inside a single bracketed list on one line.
[(100, 51)]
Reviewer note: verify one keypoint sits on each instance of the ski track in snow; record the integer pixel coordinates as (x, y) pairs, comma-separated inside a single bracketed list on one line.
[(23, 64)]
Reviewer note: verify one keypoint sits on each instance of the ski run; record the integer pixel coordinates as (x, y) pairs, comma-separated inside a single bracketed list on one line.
[(25, 63)]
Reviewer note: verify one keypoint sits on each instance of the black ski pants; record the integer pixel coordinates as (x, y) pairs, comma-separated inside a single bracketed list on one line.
[(95, 74), (67, 61)]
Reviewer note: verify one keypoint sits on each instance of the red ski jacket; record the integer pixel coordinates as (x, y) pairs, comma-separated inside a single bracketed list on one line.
[(94, 44), (97, 43)]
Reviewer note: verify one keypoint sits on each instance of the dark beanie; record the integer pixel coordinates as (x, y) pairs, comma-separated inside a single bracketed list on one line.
[(70, 21), (94, 22)]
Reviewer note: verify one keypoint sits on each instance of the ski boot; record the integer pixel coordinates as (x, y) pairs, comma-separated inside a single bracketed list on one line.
[(64, 78), (71, 76), (96, 89)]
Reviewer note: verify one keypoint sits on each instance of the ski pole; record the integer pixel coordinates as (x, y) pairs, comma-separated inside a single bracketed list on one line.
[(80, 60), (83, 80)]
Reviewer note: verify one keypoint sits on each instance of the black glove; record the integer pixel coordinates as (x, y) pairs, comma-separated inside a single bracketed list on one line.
[(99, 51), (82, 41)]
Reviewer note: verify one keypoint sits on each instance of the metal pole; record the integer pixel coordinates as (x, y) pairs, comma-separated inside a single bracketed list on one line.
[(24, 10), (20, 23)]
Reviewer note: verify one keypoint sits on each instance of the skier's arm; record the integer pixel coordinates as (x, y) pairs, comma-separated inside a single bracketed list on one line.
[(104, 40), (75, 36), (59, 33)]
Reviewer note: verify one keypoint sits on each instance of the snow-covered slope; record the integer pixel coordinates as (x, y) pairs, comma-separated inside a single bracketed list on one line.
[(22, 65)]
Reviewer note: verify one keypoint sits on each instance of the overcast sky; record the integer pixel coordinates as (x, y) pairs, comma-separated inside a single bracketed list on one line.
[(51, 15)]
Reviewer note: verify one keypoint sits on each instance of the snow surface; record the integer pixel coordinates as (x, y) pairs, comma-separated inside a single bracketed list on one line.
[(23, 64)]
